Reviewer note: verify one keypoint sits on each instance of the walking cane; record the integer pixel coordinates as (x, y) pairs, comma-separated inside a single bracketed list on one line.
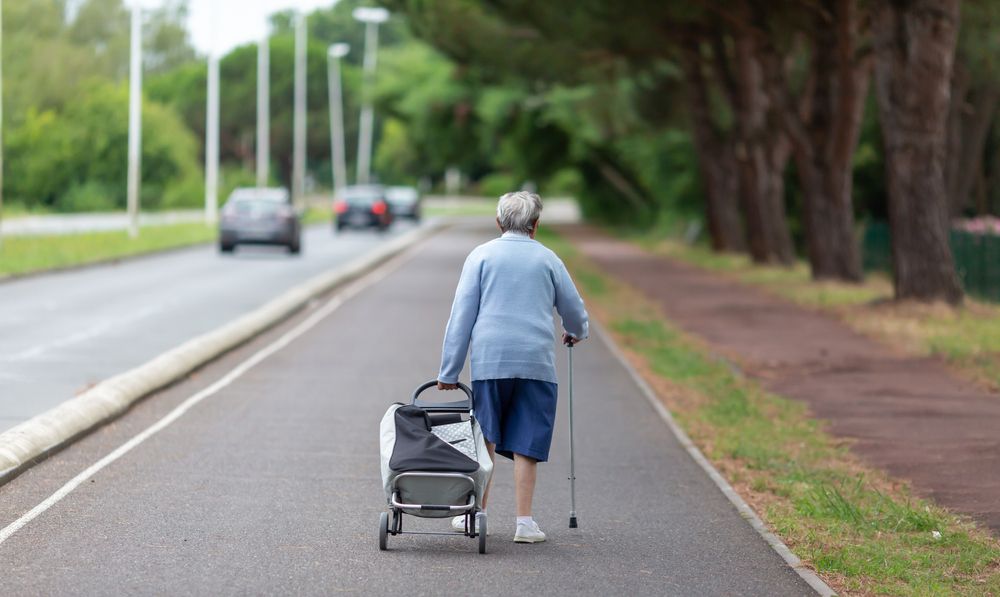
[(572, 463)]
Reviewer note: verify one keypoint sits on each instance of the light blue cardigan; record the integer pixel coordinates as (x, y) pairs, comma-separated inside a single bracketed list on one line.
[(503, 306)]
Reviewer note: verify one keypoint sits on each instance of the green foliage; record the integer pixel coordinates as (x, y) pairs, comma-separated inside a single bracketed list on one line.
[(88, 196), (419, 89), (563, 183), (667, 164), (233, 177), (66, 109), (396, 159), (498, 183), (77, 158), (165, 37)]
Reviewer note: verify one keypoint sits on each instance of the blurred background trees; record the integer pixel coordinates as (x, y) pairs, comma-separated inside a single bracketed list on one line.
[(782, 128)]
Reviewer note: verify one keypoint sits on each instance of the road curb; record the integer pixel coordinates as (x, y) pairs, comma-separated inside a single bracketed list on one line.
[(27, 443), (745, 511)]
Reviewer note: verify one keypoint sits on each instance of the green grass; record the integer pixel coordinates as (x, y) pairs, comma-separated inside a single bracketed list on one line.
[(863, 532), (25, 254), (468, 208), (17, 210), (318, 213)]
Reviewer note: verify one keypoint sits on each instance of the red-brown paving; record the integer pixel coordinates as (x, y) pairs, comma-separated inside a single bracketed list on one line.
[(909, 416)]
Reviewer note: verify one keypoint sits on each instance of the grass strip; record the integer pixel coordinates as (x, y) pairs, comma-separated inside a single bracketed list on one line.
[(27, 254), (863, 532), (469, 208), (967, 337)]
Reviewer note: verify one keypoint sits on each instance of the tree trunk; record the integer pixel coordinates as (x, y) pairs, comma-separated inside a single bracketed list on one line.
[(716, 160), (823, 127), (914, 44), (981, 192), (975, 126), (758, 155), (953, 140), (833, 127), (778, 151)]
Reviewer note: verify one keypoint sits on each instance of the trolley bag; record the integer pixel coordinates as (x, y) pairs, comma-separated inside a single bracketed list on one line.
[(415, 441)]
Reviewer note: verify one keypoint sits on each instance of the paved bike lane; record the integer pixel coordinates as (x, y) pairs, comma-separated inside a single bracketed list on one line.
[(272, 484)]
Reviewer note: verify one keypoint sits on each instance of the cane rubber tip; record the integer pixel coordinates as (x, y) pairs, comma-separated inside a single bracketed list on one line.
[(572, 522)]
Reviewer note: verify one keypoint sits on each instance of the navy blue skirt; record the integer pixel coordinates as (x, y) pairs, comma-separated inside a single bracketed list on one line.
[(517, 415)]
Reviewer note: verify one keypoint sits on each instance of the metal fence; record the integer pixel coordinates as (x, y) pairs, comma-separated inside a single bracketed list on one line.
[(977, 258)]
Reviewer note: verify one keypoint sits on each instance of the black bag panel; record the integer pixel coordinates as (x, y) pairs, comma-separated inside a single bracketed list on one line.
[(418, 449), (444, 418)]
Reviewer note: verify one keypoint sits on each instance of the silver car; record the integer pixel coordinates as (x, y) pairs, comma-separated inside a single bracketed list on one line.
[(404, 202), (261, 217)]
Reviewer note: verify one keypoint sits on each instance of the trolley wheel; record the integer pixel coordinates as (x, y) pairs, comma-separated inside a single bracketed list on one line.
[(383, 530), (482, 530)]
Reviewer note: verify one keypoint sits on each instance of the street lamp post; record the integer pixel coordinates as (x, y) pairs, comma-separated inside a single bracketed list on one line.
[(212, 128), (135, 121), (339, 167), (299, 120), (371, 17), (212, 142), (1, 124), (263, 111)]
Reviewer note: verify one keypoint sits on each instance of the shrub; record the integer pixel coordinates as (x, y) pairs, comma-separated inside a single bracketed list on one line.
[(498, 183), (77, 158), (89, 196)]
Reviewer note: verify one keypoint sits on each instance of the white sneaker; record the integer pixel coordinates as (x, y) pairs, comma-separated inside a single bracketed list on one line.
[(458, 525), (528, 533)]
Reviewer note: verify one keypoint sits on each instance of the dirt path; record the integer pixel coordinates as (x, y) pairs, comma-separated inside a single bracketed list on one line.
[(909, 416)]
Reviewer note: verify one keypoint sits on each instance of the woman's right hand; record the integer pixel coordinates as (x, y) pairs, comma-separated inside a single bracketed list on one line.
[(447, 386)]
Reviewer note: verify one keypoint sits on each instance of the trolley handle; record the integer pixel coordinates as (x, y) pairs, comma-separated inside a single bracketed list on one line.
[(461, 405)]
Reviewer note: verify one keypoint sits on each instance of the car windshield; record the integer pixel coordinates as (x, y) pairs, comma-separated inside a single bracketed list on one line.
[(402, 194), (361, 195), (258, 207), (277, 195)]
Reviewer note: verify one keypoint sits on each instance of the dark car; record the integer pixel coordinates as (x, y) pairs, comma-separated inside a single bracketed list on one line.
[(362, 206), (404, 202), (259, 217)]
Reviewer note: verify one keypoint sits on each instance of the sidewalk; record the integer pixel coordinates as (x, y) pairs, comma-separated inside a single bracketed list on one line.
[(907, 415), (272, 484)]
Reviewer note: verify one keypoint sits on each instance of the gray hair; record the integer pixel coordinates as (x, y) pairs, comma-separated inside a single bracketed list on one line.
[(518, 211)]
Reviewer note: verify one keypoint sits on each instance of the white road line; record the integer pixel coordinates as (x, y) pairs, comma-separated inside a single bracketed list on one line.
[(332, 305)]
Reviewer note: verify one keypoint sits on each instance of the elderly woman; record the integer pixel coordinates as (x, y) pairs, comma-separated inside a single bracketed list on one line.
[(503, 307)]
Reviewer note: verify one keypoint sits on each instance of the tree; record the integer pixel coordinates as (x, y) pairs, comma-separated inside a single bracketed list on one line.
[(974, 99), (717, 159), (75, 159), (101, 27), (183, 89), (823, 125), (165, 37), (762, 150), (914, 43)]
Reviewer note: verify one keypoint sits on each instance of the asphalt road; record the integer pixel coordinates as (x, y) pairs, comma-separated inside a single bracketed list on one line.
[(61, 333), (271, 485)]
